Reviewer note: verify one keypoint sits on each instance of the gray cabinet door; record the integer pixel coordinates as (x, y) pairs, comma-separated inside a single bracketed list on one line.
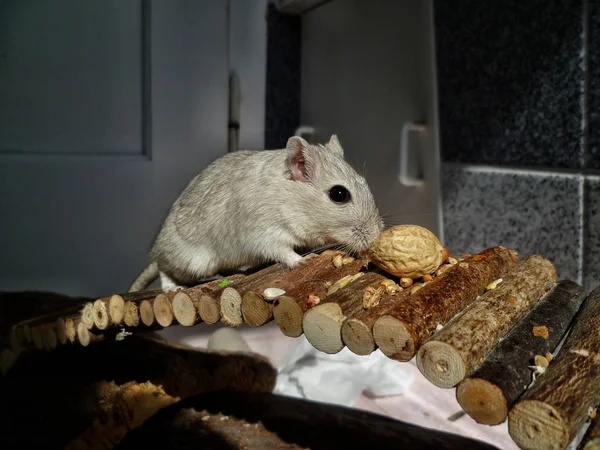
[(107, 110), (368, 70)]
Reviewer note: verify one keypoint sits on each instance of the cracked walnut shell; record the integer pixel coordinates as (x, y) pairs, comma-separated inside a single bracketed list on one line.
[(407, 251)]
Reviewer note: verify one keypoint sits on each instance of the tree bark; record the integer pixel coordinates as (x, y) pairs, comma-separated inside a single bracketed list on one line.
[(289, 309), (229, 298), (292, 420), (322, 324), (553, 410), (57, 396), (400, 332), (186, 303), (490, 391), (455, 350)]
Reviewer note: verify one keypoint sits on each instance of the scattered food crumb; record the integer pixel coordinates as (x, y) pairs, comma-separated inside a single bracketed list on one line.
[(122, 334), (541, 331)]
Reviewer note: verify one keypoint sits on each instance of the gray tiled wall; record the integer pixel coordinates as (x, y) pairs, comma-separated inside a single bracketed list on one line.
[(518, 86)]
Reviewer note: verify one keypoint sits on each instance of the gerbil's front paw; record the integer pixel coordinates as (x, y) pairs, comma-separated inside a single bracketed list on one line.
[(306, 259), (173, 288)]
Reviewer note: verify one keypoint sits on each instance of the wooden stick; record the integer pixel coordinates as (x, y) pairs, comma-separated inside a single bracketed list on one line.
[(256, 311), (292, 419), (400, 332), (451, 353), (186, 307), (591, 439), (86, 337), (146, 312), (131, 316), (490, 391), (163, 309), (322, 324), (357, 332), (289, 309), (87, 315), (553, 410)]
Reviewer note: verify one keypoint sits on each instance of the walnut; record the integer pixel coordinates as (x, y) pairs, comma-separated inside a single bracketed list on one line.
[(409, 251)]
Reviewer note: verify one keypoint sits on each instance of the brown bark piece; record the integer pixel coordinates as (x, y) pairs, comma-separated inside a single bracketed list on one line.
[(357, 331), (400, 332), (257, 311), (73, 381), (454, 351), (490, 391), (322, 324), (553, 410), (289, 309), (290, 419), (229, 298), (186, 308)]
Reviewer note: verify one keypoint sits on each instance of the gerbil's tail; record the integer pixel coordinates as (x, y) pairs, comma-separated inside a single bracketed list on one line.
[(148, 275)]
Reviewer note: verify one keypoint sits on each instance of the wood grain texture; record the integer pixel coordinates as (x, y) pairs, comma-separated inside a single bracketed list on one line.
[(550, 413), (490, 390), (400, 332), (452, 352), (322, 324)]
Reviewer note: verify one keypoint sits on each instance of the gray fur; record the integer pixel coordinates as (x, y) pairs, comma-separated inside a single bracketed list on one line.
[(246, 209)]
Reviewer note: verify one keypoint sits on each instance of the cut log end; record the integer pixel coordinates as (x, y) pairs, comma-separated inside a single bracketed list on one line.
[(50, 339), (357, 337), (131, 316), (87, 315), (116, 309), (101, 319), (37, 338), (255, 310), (535, 425), (441, 364), (61, 331), (322, 327), (208, 308), (393, 339), (71, 330), (163, 310), (146, 313), (483, 401), (231, 307), (288, 315), (184, 309)]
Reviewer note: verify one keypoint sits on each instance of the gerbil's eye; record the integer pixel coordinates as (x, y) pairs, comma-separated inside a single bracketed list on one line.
[(339, 194)]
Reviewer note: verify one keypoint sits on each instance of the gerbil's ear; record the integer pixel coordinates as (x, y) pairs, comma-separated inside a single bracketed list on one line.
[(334, 144), (301, 159)]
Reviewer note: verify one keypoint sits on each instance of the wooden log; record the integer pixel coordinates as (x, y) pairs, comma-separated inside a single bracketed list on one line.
[(591, 438), (289, 309), (85, 336), (452, 352), (87, 315), (490, 391), (256, 311), (186, 308), (357, 332), (146, 312), (211, 309), (400, 332), (553, 410), (131, 315), (291, 419), (66, 392), (163, 309), (322, 325)]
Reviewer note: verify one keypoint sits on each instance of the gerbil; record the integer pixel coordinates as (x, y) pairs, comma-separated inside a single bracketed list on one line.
[(253, 207)]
